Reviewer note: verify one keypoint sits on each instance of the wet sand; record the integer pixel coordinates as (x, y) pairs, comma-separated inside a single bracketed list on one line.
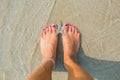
[(21, 22)]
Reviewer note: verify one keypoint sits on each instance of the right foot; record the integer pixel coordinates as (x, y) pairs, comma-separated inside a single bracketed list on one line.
[(48, 43), (71, 42)]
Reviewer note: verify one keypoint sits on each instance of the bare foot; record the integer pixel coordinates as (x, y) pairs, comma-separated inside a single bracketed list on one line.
[(71, 42), (48, 42)]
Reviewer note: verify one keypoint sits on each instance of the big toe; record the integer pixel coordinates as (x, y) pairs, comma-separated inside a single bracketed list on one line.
[(65, 28), (53, 27)]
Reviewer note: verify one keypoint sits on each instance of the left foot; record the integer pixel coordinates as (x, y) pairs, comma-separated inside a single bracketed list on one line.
[(48, 42), (71, 41)]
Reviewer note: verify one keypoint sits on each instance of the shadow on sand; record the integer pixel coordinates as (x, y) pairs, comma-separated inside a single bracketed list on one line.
[(99, 69)]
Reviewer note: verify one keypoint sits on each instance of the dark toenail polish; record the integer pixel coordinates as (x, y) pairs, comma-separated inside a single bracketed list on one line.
[(53, 25), (66, 24), (46, 27)]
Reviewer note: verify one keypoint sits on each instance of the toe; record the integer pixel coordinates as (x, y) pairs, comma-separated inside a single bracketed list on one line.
[(53, 29), (78, 34), (43, 33), (47, 30), (46, 27), (76, 31), (73, 29), (50, 29), (65, 30), (66, 26), (70, 28), (54, 25), (76, 28)]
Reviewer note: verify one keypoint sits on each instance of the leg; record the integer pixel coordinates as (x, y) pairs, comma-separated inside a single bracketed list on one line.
[(71, 41), (43, 72), (48, 44)]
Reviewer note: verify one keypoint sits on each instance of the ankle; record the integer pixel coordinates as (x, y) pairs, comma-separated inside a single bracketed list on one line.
[(68, 60)]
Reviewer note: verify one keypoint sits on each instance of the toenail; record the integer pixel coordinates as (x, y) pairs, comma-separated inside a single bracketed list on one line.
[(70, 24), (66, 24), (53, 25), (46, 27), (75, 27), (78, 31)]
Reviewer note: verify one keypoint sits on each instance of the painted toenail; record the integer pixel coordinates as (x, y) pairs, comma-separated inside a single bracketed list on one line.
[(76, 27), (46, 27), (70, 24), (66, 24), (53, 25)]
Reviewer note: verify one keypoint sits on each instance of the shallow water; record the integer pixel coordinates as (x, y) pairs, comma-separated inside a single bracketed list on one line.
[(21, 22)]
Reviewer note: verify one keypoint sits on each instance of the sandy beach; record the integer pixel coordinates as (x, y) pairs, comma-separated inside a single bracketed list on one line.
[(21, 22)]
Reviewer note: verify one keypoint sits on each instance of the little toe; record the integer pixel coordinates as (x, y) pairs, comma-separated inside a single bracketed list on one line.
[(78, 34), (43, 33)]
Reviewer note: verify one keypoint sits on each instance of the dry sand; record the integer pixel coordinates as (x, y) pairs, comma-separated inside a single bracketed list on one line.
[(21, 22)]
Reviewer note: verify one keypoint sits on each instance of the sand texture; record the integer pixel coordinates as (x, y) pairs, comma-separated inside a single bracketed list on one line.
[(21, 22)]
